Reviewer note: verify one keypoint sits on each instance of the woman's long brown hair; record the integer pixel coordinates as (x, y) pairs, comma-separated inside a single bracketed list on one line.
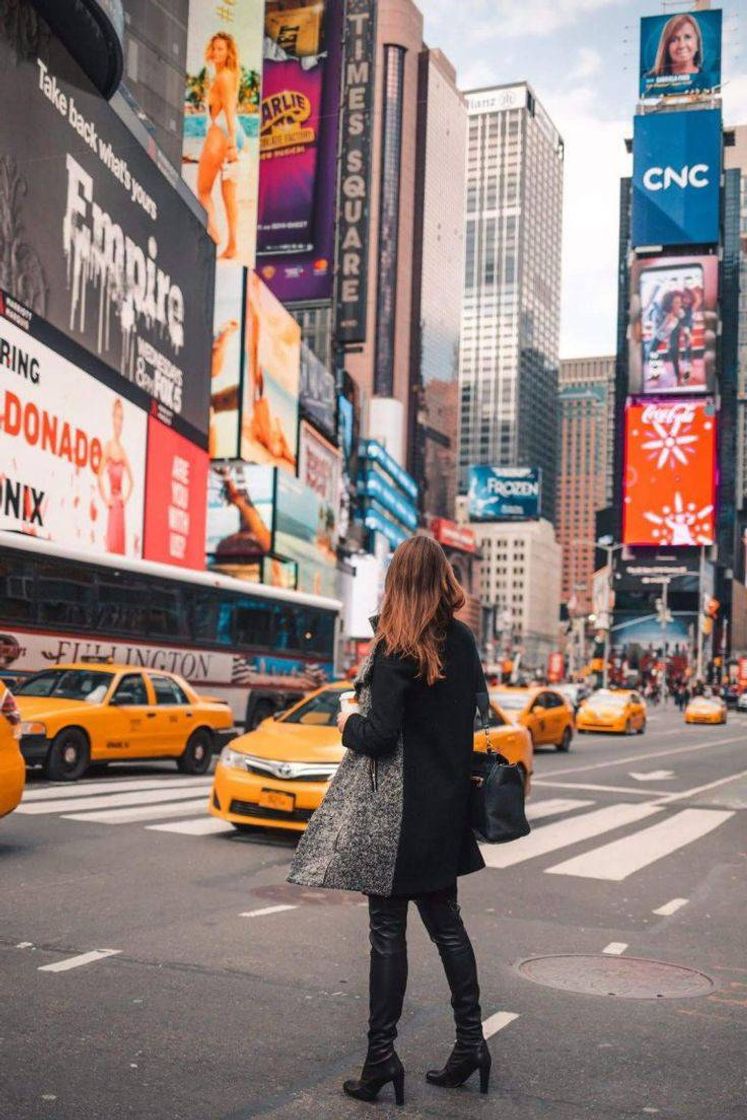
[(421, 595)]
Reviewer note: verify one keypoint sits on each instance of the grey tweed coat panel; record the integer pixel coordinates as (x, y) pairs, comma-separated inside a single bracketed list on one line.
[(395, 819)]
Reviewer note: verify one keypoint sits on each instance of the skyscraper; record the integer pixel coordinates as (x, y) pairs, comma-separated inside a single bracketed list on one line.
[(155, 59), (511, 301)]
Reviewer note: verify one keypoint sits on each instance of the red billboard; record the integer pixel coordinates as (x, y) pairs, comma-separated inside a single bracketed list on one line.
[(451, 535), (670, 473), (175, 498)]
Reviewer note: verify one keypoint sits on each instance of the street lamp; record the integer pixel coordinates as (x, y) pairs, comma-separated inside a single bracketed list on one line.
[(607, 545)]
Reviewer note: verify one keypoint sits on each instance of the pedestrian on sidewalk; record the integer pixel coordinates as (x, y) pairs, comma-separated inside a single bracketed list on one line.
[(395, 821)]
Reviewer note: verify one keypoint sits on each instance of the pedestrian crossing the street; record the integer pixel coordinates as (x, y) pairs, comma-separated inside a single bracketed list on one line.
[(630, 836)]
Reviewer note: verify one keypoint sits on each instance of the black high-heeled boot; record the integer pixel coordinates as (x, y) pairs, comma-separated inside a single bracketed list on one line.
[(461, 1064), (374, 1076)]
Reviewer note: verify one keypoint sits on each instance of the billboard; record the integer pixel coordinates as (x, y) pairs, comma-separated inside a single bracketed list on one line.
[(272, 359), (240, 516), (504, 493), (72, 451), (676, 178), (317, 392), (680, 54), (673, 325), (226, 362), (220, 148), (320, 468), (302, 535), (298, 147), (669, 484), (176, 498), (355, 169), (453, 536), (103, 247)]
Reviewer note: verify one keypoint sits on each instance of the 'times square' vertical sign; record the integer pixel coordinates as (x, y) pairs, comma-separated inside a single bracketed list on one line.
[(355, 177)]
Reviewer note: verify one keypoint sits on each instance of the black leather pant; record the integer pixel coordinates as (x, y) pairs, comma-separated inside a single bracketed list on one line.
[(441, 917)]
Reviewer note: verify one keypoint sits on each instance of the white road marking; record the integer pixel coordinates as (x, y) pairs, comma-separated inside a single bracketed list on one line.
[(202, 826), (497, 1022), (76, 962), (620, 858), (266, 910), (639, 792), (671, 907), (666, 798), (115, 801), (85, 789), (615, 948), (651, 775), (645, 757), (548, 808), (564, 833), (25, 945), (142, 812)]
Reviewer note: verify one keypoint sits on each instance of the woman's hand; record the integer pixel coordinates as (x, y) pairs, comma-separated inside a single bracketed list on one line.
[(232, 153), (342, 719)]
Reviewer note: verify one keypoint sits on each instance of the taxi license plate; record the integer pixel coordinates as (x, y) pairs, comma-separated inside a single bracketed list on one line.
[(274, 799)]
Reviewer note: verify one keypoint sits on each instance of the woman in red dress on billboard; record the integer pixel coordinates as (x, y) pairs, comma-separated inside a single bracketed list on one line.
[(115, 483)]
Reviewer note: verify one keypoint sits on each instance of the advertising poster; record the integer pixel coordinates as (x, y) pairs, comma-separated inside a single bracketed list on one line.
[(225, 365), (680, 54), (504, 493), (220, 151), (319, 468), (72, 452), (302, 535), (175, 498), (670, 473), (102, 247), (317, 392), (298, 147), (673, 325), (676, 178), (240, 513), (269, 423)]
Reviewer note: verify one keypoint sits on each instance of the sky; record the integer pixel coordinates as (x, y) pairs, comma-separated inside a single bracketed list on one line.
[(581, 58)]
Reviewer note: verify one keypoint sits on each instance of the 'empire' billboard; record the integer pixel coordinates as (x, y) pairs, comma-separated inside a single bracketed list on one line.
[(680, 54), (504, 493), (676, 178)]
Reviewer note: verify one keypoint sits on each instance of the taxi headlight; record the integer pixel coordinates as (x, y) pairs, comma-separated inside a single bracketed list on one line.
[(33, 727), (233, 759)]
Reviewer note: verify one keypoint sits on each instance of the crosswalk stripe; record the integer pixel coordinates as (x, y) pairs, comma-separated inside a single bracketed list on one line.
[(114, 801), (671, 907), (202, 826), (76, 962), (85, 789), (267, 910), (142, 812), (615, 948), (620, 858), (497, 1022), (563, 833), (538, 809)]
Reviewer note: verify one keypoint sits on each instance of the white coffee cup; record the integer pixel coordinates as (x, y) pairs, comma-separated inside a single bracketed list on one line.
[(348, 703)]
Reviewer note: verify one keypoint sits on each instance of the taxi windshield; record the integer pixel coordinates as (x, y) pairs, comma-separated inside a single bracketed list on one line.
[(321, 710), (68, 684), (510, 701), (616, 699)]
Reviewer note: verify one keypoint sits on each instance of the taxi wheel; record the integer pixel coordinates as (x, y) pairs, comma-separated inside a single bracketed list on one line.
[(628, 728), (642, 728), (68, 756), (197, 754), (565, 742)]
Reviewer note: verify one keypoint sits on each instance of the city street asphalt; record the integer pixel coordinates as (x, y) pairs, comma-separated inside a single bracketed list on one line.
[(210, 989)]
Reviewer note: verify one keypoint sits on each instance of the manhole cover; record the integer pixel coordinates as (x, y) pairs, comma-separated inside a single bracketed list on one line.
[(626, 977)]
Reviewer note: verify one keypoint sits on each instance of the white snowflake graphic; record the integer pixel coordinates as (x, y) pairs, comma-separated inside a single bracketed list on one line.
[(669, 445), (682, 523)]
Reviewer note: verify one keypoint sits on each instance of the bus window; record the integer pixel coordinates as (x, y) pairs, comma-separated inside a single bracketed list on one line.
[(318, 633), (66, 595), (253, 623), (17, 589), (164, 615), (210, 617), (289, 627)]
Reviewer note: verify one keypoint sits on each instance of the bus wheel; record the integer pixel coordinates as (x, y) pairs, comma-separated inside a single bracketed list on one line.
[(196, 756), (68, 756), (263, 710)]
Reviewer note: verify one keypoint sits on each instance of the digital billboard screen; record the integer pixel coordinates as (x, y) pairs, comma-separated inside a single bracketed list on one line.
[(103, 247), (318, 392), (175, 498), (302, 535), (504, 493), (670, 473), (680, 54), (240, 518), (676, 178), (320, 468), (673, 325), (220, 148), (298, 147)]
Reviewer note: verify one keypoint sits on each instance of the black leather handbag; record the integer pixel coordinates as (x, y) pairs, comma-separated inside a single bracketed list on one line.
[(497, 811)]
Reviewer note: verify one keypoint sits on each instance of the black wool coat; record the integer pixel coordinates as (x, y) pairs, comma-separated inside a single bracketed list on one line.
[(395, 820)]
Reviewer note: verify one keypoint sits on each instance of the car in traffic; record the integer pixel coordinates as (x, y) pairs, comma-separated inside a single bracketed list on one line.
[(742, 701), (72, 715), (544, 712), (278, 774), (620, 711), (12, 768), (706, 709), (575, 693)]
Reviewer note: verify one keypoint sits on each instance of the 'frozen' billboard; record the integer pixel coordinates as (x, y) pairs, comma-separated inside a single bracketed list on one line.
[(504, 493)]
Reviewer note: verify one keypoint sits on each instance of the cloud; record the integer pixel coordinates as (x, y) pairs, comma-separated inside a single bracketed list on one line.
[(488, 20), (735, 101), (589, 63)]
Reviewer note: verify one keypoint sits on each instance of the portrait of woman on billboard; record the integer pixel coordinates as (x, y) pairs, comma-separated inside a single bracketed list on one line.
[(116, 484), (681, 54)]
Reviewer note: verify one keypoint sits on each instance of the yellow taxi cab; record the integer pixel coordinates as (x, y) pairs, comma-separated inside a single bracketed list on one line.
[(545, 712), (278, 774), (72, 715), (705, 709), (12, 768), (620, 710)]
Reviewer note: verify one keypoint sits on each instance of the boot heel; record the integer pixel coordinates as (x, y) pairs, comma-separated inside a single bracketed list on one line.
[(399, 1087), (484, 1078)]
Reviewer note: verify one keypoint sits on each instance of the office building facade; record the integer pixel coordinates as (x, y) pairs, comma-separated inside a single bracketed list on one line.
[(508, 369), (155, 53)]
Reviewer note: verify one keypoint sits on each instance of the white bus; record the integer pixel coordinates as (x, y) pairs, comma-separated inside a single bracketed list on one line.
[(257, 647)]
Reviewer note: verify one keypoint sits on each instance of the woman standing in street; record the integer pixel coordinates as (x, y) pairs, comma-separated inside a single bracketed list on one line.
[(395, 821)]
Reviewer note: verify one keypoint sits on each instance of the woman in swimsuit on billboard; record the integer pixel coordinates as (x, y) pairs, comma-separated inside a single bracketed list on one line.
[(225, 137)]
